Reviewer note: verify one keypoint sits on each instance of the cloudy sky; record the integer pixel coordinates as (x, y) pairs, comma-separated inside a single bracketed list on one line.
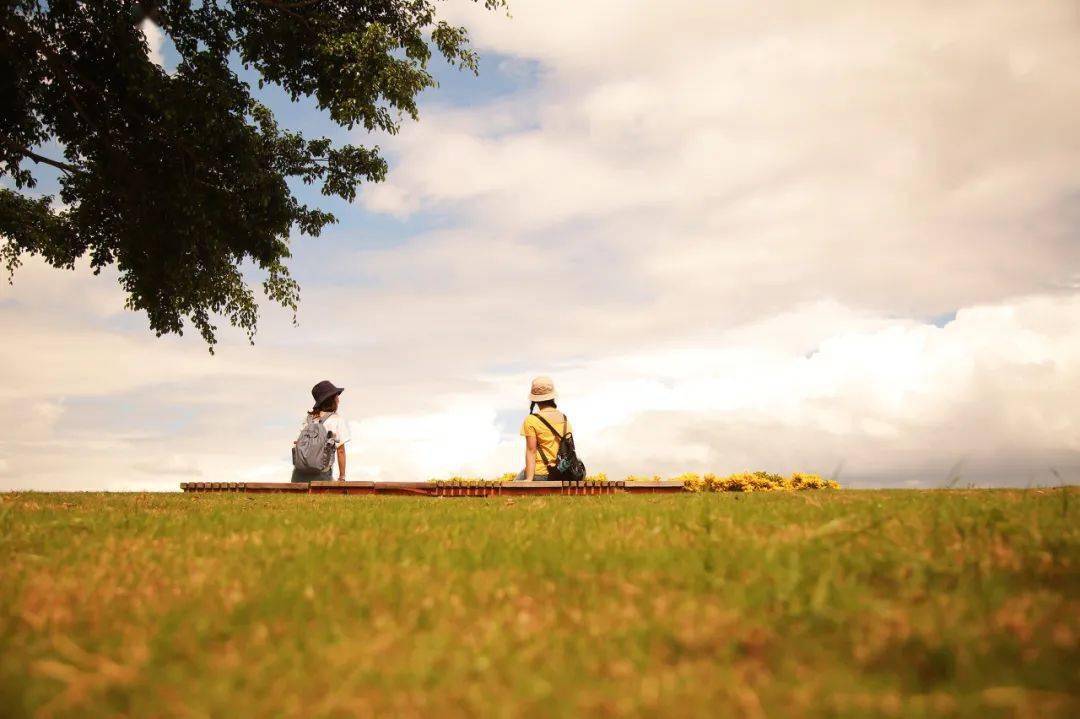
[(797, 235)]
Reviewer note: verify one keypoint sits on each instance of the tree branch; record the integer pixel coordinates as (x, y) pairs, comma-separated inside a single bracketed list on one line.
[(70, 169), (42, 160)]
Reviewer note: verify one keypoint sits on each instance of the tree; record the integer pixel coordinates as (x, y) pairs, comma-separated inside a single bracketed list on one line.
[(179, 179)]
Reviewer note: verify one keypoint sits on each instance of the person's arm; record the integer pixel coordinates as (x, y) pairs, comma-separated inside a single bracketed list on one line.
[(341, 462), (530, 457)]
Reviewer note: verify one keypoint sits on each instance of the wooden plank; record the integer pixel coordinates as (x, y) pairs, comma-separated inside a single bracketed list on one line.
[(405, 488), (336, 487), (469, 489), (287, 487), (532, 489), (440, 490), (326, 487)]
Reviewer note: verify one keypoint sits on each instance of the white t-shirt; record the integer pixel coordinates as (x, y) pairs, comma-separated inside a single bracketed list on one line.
[(334, 423)]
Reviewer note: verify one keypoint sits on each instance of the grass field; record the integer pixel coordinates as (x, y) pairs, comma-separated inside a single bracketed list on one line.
[(835, 603)]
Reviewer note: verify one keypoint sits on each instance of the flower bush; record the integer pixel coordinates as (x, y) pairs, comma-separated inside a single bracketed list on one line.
[(754, 482)]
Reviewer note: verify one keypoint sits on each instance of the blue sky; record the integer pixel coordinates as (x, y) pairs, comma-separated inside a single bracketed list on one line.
[(797, 238)]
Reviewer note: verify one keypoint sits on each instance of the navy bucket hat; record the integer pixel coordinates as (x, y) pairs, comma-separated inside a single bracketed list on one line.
[(324, 391)]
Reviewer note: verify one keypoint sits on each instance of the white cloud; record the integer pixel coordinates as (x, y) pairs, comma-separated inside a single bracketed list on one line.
[(814, 388), (808, 149), (724, 228), (995, 388), (462, 438), (999, 379), (155, 39)]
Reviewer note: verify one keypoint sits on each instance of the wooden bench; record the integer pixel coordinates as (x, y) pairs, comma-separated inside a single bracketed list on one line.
[(441, 489)]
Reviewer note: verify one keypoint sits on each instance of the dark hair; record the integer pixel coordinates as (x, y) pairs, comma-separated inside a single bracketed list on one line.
[(330, 404), (545, 403)]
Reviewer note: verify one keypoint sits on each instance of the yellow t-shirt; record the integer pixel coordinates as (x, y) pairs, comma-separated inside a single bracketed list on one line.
[(544, 438)]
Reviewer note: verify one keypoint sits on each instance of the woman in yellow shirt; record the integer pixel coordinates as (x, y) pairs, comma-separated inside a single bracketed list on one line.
[(541, 444)]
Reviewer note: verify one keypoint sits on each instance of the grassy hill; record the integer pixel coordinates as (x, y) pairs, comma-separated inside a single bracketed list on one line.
[(853, 603)]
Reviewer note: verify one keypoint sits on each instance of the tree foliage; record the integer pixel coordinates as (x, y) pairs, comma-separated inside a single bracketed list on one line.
[(179, 179)]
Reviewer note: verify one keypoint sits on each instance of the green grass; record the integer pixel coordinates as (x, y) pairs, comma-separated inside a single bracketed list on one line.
[(841, 603)]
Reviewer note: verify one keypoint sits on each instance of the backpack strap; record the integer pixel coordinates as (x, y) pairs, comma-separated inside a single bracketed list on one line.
[(548, 424), (322, 421), (543, 455), (540, 447)]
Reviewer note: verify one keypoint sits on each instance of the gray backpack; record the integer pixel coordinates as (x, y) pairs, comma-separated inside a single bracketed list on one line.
[(313, 451)]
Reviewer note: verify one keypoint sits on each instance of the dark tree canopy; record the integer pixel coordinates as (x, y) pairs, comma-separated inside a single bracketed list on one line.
[(180, 179)]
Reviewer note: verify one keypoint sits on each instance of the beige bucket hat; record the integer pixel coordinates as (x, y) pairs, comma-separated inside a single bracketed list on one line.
[(542, 389)]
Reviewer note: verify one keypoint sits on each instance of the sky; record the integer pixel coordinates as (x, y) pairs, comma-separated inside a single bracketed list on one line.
[(831, 237)]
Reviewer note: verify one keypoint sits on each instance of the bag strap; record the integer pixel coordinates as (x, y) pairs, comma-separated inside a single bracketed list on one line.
[(320, 420), (543, 454), (565, 422)]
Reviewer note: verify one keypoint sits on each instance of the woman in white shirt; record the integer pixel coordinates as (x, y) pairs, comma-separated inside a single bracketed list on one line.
[(326, 397)]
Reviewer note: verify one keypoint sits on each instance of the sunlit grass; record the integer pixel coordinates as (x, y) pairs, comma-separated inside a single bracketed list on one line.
[(780, 604)]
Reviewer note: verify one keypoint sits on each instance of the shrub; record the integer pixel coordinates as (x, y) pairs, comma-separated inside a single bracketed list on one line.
[(754, 482)]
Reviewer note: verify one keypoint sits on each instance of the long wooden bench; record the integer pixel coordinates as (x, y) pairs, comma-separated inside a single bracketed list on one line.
[(441, 489)]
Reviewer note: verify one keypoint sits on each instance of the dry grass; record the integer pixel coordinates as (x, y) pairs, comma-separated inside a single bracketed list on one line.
[(943, 603)]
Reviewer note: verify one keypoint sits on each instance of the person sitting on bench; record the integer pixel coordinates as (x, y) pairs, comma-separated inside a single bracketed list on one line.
[(541, 444), (323, 437)]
